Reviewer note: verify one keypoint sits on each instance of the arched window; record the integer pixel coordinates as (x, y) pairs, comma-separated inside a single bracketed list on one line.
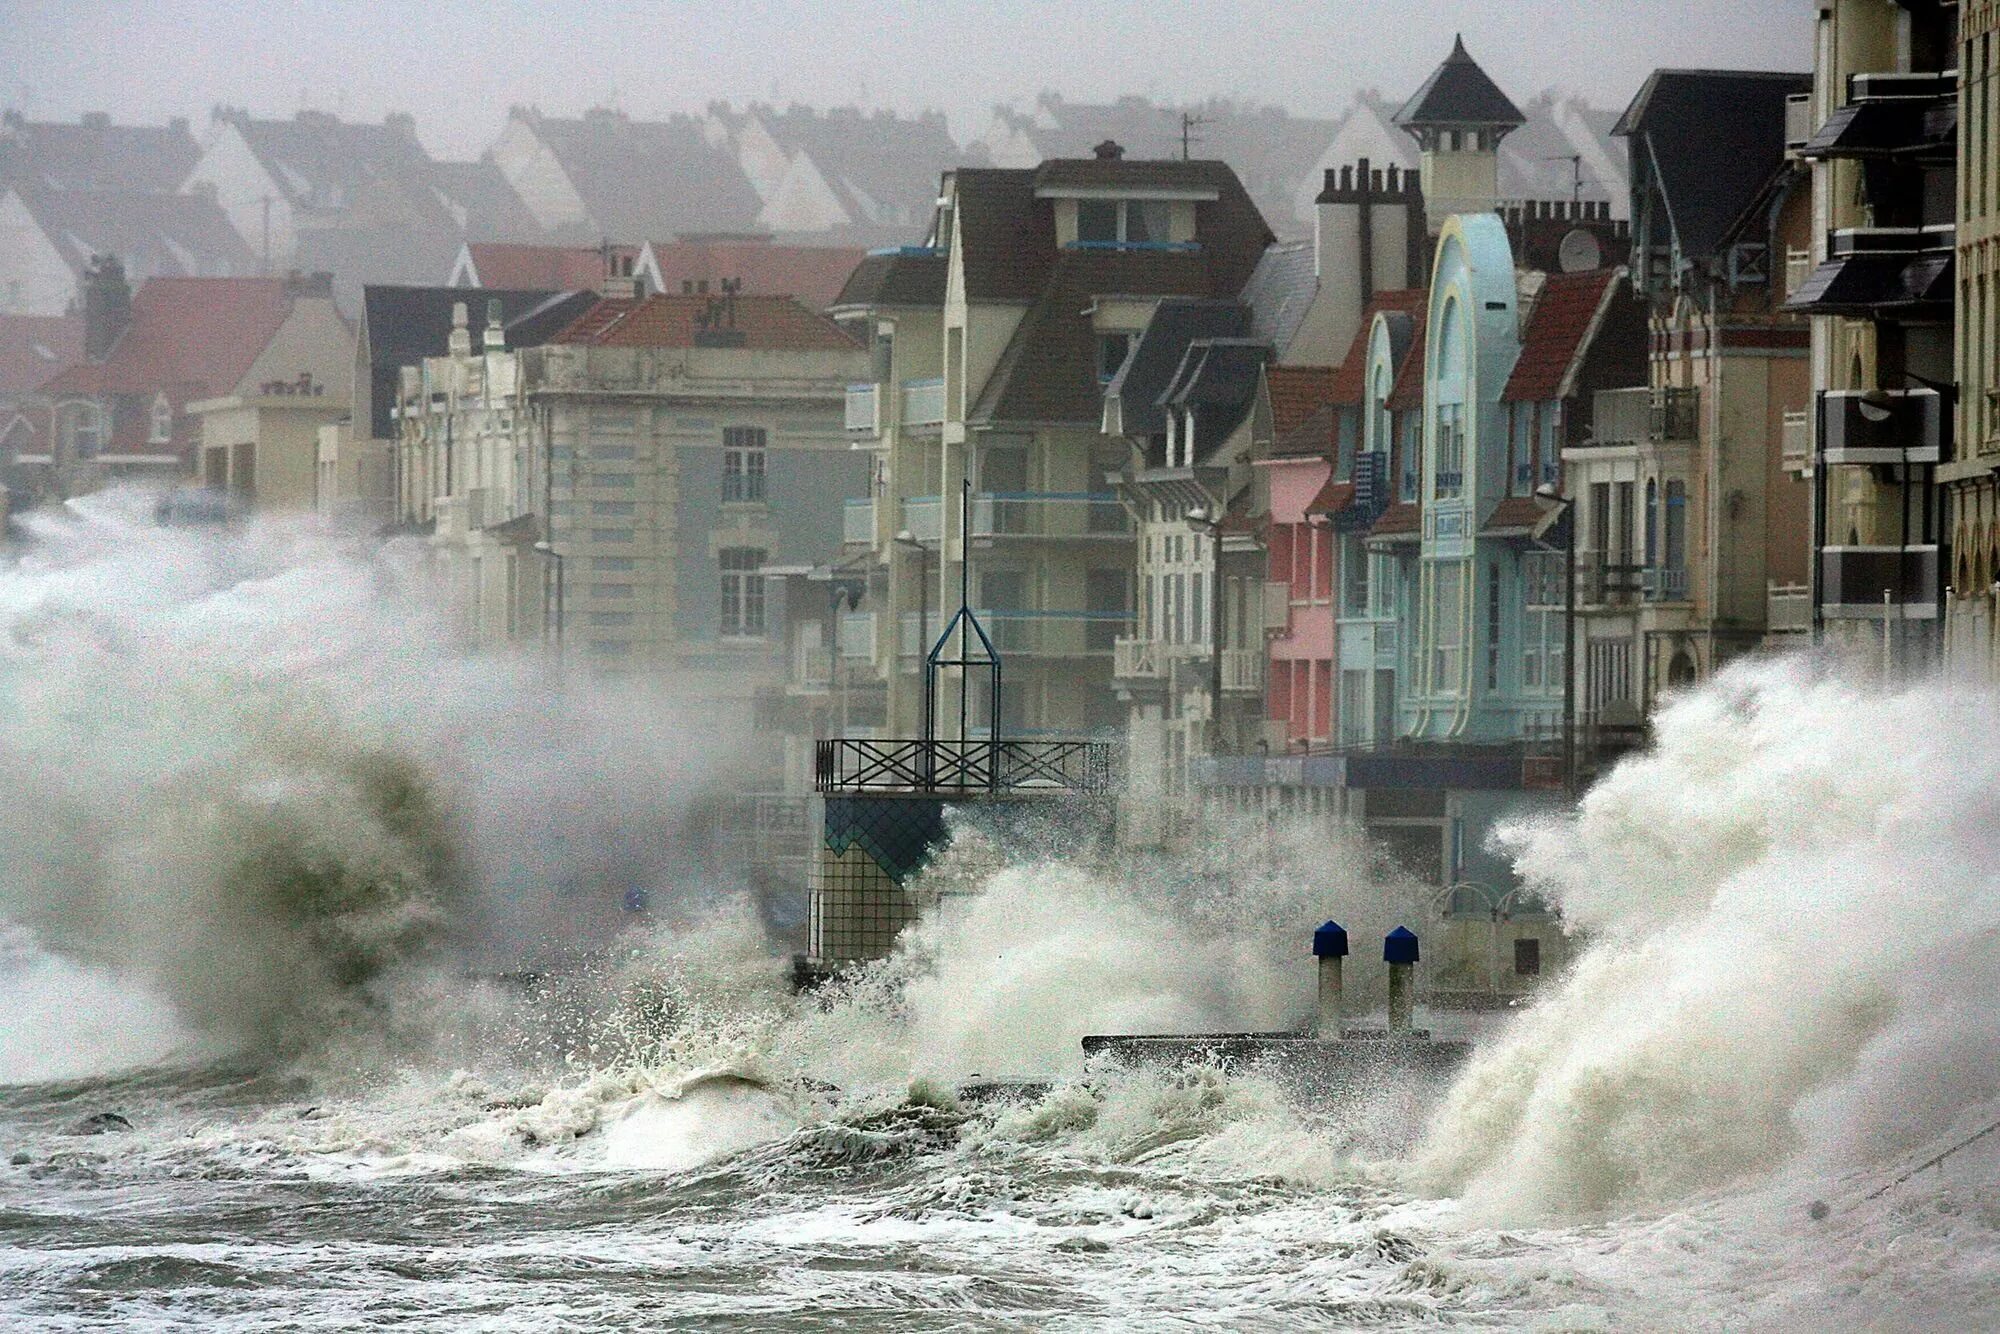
[(160, 429)]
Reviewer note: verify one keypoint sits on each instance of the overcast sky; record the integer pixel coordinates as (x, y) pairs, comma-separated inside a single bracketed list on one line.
[(458, 66)]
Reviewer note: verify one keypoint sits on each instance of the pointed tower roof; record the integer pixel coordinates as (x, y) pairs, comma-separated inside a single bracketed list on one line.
[(1459, 93)]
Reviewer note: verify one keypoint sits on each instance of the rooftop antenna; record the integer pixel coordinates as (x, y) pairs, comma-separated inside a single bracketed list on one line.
[(1190, 122), (1575, 161)]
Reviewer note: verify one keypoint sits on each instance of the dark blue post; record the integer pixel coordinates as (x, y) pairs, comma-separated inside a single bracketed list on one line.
[(1329, 947), (1399, 951)]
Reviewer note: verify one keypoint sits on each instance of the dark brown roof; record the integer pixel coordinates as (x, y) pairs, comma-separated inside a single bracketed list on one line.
[(1133, 173), (1296, 393), (1351, 379), (1401, 519), (1333, 497), (915, 277), (1514, 514), (34, 349), (774, 322), (1409, 390), (1565, 310), (1007, 237), (94, 154), (1311, 437)]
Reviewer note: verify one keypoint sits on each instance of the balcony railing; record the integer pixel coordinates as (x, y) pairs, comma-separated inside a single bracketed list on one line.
[(1675, 414), (1798, 121), (1788, 609), (1662, 584), (1055, 634), (1896, 426), (1137, 659), (1602, 583), (923, 402), (1033, 515), (857, 522), (1869, 582), (864, 409), (924, 517), (853, 764), (1243, 671)]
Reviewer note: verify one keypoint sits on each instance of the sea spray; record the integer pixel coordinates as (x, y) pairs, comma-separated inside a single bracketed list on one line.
[(253, 773), (1791, 901)]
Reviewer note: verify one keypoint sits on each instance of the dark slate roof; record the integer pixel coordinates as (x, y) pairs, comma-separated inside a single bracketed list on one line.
[(1408, 392), (1565, 311), (1350, 380), (1007, 237), (884, 168), (93, 154), (1219, 377), (1155, 359), (155, 235), (403, 325), (1714, 138), (1084, 173), (325, 164), (1048, 372), (1458, 92), (647, 179), (912, 279), (481, 202), (1280, 292)]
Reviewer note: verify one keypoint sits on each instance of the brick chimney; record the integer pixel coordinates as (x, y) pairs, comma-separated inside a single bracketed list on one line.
[(107, 306), (1109, 151)]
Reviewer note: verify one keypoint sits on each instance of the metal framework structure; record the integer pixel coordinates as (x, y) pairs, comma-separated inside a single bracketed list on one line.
[(852, 764)]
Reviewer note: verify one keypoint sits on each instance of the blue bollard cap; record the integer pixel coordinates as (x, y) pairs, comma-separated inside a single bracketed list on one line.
[(1400, 946), (1330, 941)]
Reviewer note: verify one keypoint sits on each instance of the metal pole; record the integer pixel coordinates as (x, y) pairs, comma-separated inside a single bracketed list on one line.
[(1215, 642), (965, 599), (1887, 655), (1569, 654)]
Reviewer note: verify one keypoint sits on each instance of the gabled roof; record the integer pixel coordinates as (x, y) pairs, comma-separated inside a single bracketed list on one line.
[(544, 268), (1218, 377), (1567, 310), (1351, 379), (1007, 238), (1713, 137), (480, 201), (324, 164), (912, 278), (94, 154), (191, 337), (883, 168), (1458, 92), (36, 348), (155, 235), (400, 326), (813, 274), (648, 178), (1296, 394), (763, 323), (1155, 360)]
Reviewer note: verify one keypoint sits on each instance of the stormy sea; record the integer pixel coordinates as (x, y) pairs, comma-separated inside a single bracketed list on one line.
[(320, 1010)]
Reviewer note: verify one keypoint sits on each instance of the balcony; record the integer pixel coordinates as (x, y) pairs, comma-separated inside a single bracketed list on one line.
[(1798, 121), (1796, 442), (1872, 582), (1604, 583), (1277, 606), (1899, 426), (857, 523), (864, 410), (1798, 268), (1055, 634), (1674, 414), (1137, 659), (1243, 671), (1882, 273), (1788, 609), (857, 637), (1661, 584), (923, 516), (923, 403)]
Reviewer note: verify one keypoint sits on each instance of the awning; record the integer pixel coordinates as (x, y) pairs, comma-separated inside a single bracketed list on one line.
[(1867, 284)]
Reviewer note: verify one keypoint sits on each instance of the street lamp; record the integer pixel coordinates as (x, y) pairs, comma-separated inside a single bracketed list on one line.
[(553, 568), (906, 538), (1198, 519), (1558, 510)]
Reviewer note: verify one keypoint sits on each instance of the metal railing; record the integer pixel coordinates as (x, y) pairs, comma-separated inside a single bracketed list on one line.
[(924, 517), (864, 409), (1788, 609), (1026, 514), (1662, 584), (1137, 659), (855, 764), (1243, 671), (857, 523), (923, 402), (857, 636), (1676, 414)]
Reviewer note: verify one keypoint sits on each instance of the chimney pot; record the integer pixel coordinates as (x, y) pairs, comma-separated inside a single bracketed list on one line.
[(1109, 151)]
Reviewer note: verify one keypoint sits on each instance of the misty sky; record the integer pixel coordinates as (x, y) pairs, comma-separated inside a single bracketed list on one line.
[(458, 66)]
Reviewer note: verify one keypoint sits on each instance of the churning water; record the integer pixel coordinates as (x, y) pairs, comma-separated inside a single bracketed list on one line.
[(263, 824)]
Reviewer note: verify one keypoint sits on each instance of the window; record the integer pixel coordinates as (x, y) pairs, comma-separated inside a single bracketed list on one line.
[(1527, 957), (1450, 449), (743, 464), (611, 590), (615, 480), (613, 509), (81, 431), (1126, 222), (1112, 349), (160, 429), (1097, 220), (611, 534), (608, 454), (1493, 626), (613, 564), (610, 618), (1147, 220), (1447, 627), (742, 592)]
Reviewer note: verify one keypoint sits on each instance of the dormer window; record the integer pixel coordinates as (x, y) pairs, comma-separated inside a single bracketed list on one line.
[(1124, 221), (1112, 349), (160, 428)]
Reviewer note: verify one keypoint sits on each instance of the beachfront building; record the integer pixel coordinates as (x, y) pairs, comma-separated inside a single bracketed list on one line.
[(1882, 138), (1973, 473), (1690, 492), (993, 345)]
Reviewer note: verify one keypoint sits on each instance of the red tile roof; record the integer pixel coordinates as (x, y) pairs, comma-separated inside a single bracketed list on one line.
[(1332, 498), (35, 348), (770, 322), (193, 337), (1399, 520), (1296, 393), (1409, 390), (1351, 378), (813, 274), (1512, 514), (1564, 312), (542, 268)]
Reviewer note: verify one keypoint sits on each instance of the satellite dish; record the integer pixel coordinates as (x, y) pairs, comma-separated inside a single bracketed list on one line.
[(1579, 252)]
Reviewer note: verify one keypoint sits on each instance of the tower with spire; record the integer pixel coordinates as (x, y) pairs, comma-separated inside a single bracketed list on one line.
[(1458, 119)]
